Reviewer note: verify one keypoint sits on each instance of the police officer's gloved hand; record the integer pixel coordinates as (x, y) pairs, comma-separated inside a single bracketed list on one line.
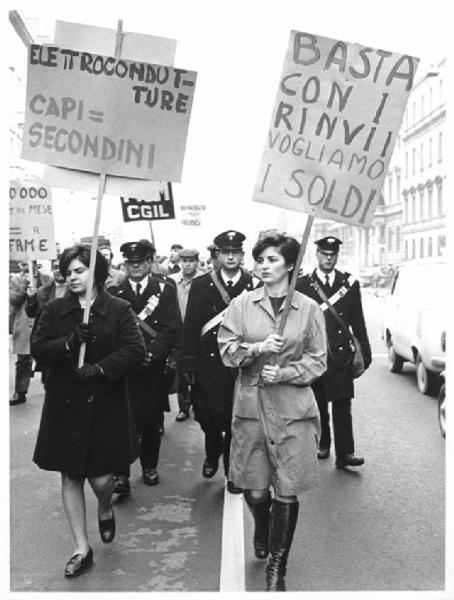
[(89, 373), (189, 377), (82, 333)]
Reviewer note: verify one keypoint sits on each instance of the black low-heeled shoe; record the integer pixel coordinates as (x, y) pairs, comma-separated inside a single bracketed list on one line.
[(107, 528), (79, 563)]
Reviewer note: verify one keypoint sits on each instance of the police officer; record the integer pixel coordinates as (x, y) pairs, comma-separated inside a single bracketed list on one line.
[(213, 383), (336, 384), (154, 303)]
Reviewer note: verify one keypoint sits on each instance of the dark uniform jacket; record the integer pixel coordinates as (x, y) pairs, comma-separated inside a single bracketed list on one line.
[(86, 428), (148, 386), (345, 295), (212, 395)]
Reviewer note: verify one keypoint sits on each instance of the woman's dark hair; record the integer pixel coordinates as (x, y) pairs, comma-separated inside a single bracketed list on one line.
[(82, 253), (287, 246)]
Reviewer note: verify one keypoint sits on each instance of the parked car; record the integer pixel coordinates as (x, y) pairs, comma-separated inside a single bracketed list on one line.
[(442, 404), (415, 321)]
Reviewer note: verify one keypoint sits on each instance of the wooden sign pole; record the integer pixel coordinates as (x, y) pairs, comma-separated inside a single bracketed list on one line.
[(94, 240), (151, 234), (299, 260)]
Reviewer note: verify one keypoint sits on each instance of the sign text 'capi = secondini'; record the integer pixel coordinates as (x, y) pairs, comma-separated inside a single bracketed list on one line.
[(105, 114)]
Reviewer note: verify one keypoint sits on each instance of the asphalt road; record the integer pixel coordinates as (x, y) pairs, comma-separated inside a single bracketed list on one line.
[(381, 527)]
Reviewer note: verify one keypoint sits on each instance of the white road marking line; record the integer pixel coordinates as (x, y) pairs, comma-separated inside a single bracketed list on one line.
[(232, 553)]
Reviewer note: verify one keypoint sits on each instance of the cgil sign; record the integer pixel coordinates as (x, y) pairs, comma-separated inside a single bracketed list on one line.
[(137, 209)]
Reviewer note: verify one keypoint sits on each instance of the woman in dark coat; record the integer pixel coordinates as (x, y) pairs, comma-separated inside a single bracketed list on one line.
[(86, 430)]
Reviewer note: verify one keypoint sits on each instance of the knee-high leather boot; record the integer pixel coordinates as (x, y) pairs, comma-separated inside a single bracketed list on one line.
[(261, 513), (282, 527)]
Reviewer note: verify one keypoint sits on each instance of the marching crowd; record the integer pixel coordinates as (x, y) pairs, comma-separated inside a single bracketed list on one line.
[(260, 386)]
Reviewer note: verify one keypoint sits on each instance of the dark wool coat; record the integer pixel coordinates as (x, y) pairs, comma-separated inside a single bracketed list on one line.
[(86, 428), (337, 382), (212, 394), (148, 386)]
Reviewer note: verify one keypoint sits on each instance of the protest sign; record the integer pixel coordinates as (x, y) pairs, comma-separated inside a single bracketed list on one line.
[(106, 114), (137, 209), (334, 125), (191, 214), (31, 223), (134, 46), (101, 40)]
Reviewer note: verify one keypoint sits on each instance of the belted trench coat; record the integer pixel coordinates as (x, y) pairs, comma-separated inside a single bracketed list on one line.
[(275, 428)]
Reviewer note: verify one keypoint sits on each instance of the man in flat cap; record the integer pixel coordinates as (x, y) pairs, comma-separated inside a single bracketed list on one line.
[(200, 361), (155, 304), (336, 384), (114, 277), (189, 262)]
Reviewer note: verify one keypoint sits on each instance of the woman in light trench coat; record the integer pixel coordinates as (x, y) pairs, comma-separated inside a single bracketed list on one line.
[(275, 422)]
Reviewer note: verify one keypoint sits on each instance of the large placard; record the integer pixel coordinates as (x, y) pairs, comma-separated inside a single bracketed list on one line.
[(108, 115), (334, 125), (31, 221)]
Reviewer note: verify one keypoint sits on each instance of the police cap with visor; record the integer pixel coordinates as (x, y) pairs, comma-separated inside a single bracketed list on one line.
[(137, 250), (329, 244), (229, 240)]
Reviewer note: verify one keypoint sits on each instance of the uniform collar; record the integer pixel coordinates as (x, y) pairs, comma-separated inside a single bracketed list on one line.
[(234, 279), (322, 276)]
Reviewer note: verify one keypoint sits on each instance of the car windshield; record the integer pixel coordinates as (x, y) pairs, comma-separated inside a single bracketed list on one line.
[(425, 283)]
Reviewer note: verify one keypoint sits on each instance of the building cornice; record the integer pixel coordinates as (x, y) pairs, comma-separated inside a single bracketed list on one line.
[(426, 124)]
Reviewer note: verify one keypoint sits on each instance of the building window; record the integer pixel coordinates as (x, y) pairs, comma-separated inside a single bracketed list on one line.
[(413, 166), (390, 189), (414, 113), (441, 244), (413, 208), (397, 239), (421, 204), (421, 157), (413, 248), (430, 152), (406, 209), (440, 146), (421, 248), (390, 239), (429, 201), (398, 186), (429, 247), (440, 199), (430, 100), (406, 250)]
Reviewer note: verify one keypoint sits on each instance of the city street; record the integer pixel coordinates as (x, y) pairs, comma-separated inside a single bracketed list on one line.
[(380, 527)]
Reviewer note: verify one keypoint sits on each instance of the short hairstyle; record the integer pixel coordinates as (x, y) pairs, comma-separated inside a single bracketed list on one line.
[(176, 247), (82, 253), (287, 246)]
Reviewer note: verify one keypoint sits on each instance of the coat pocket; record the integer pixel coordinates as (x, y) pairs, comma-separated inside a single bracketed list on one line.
[(246, 403)]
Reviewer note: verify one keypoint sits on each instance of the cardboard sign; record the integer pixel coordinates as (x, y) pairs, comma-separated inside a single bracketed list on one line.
[(135, 209), (191, 214), (134, 46), (101, 40), (106, 115), (31, 222), (335, 122)]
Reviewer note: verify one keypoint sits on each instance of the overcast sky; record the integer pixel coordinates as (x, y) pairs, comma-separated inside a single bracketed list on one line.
[(237, 48)]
